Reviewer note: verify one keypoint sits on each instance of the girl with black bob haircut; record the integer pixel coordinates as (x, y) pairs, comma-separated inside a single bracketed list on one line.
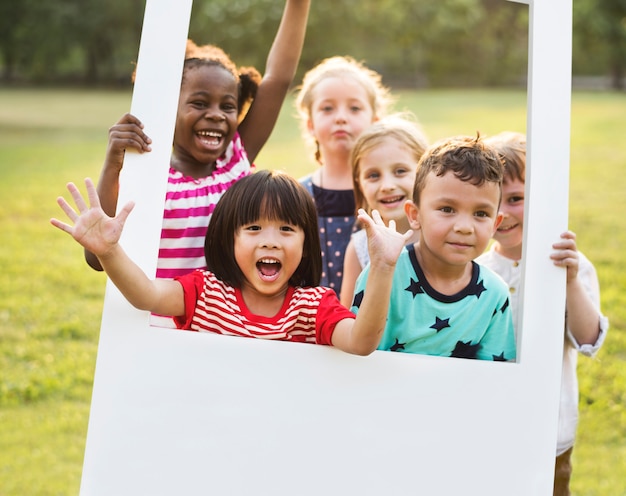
[(263, 267), (264, 194)]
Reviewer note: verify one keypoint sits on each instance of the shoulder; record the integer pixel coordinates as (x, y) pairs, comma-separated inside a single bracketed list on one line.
[(491, 277), (307, 182)]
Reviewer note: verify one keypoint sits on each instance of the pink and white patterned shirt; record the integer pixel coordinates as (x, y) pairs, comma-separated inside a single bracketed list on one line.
[(189, 204)]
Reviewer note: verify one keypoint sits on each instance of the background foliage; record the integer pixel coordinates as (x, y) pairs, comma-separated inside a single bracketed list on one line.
[(413, 43)]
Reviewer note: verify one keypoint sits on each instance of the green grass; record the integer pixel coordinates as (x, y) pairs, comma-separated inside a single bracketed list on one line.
[(51, 303)]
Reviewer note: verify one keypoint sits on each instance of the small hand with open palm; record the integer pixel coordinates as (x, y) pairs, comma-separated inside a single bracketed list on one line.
[(384, 243), (92, 228)]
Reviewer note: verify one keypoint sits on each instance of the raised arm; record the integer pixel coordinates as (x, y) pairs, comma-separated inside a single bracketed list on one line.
[(280, 70), (362, 335), (100, 234), (127, 133)]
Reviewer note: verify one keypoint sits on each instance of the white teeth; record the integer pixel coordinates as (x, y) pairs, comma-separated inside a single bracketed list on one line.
[(212, 134), (392, 200), (268, 261)]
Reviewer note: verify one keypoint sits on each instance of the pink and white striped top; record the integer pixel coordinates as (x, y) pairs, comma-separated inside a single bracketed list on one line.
[(189, 204)]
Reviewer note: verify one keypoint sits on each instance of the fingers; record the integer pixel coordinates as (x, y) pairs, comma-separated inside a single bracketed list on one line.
[(66, 207), (128, 133), (374, 219), (407, 235), (567, 242), (78, 198), (92, 194), (61, 225), (79, 201), (126, 210)]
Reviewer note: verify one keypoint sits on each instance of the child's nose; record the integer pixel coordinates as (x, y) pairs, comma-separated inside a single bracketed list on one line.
[(214, 114), (464, 224), (269, 239), (341, 115), (387, 182)]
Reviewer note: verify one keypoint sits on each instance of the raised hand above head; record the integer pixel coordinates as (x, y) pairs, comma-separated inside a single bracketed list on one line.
[(92, 227)]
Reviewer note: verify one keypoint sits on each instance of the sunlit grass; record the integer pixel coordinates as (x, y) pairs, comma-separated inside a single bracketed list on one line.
[(51, 303)]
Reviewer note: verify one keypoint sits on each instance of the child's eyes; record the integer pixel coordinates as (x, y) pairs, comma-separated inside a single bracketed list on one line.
[(356, 108), (372, 176), (255, 227), (516, 199), (229, 107), (482, 213)]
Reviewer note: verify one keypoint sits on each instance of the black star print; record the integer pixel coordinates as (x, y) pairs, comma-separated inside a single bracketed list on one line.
[(465, 350), (440, 324), (414, 287), (505, 306), (358, 299), (397, 346), (478, 289), (499, 358)]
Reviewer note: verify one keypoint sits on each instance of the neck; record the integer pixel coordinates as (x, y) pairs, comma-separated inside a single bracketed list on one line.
[(195, 170), (333, 178), (513, 253), (261, 304), (443, 277)]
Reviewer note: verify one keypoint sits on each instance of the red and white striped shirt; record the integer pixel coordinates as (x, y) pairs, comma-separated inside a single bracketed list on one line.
[(308, 314)]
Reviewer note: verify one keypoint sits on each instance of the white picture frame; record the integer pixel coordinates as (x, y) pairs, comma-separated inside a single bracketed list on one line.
[(194, 414)]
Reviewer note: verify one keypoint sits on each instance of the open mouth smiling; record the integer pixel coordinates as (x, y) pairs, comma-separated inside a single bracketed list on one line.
[(210, 138), (268, 268), (507, 228), (392, 200)]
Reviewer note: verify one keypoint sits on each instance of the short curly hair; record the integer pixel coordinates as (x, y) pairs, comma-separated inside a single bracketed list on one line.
[(470, 159), (248, 79)]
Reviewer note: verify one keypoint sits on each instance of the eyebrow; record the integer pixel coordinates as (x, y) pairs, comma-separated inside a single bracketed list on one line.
[(205, 93), (446, 199)]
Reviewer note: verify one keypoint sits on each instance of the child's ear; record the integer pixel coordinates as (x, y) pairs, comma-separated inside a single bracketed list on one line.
[(412, 212), (497, 223), (309, 126)]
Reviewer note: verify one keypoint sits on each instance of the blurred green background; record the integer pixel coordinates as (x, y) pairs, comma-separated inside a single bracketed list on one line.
[(64, 76), (412, 43)]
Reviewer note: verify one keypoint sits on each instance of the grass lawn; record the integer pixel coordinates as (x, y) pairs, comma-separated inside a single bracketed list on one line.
[(51, 303)]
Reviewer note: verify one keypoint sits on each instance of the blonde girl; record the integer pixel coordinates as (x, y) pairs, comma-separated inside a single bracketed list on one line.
[(337, 100), (384, 162)]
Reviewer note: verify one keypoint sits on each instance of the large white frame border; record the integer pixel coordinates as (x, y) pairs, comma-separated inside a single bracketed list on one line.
[(182, 413)]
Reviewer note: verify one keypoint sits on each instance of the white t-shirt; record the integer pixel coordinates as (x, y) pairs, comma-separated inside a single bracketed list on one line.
[(511, 272)]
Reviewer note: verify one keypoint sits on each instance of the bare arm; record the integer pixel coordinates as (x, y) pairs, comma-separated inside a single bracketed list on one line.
[(282, 62), (362, 335), (100, 234), (127, 133), (583, 318), (351, 270)]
